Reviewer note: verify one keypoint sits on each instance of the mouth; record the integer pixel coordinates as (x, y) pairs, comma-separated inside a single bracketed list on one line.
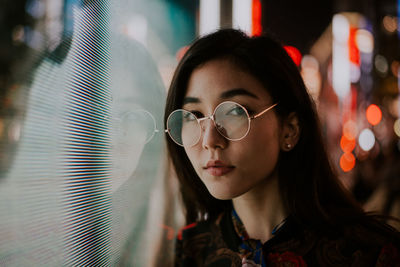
[(218, 168)]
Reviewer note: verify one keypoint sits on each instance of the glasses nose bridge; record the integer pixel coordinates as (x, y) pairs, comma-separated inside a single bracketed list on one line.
[(201, 120)]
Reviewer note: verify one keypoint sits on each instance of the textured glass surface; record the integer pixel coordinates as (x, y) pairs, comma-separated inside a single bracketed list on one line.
[(82, 163)]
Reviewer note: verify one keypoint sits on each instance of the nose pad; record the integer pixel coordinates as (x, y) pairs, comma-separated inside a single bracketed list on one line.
[(207, 125)]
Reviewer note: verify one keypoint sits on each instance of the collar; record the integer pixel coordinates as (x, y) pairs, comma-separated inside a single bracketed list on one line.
[(251, 248)]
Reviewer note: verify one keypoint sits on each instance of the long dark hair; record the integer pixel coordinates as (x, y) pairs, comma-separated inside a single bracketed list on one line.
[(308, 185)]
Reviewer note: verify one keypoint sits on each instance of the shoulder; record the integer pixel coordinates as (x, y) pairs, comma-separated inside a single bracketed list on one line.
[(355, 245)]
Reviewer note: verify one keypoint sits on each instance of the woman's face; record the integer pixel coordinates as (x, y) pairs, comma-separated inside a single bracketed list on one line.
[(232, 168)]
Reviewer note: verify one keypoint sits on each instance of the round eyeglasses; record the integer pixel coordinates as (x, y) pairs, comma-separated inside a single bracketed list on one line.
[(231, 120)]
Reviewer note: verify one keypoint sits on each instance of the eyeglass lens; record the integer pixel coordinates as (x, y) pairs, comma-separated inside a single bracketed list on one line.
[(134, 123), (231, 121)]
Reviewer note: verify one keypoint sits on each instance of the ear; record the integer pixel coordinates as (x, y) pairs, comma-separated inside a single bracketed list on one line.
[(290, 132)]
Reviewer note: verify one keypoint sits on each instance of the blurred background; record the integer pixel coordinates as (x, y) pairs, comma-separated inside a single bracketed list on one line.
[(84, 179)]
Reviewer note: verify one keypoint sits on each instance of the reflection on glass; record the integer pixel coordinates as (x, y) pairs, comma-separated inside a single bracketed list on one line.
[(80, 154), (137, 107)]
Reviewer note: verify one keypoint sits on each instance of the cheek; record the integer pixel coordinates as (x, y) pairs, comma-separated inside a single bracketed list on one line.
[(260, 152), (194, 156)]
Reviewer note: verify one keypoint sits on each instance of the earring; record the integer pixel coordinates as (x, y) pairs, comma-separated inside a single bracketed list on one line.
[(288, 146)]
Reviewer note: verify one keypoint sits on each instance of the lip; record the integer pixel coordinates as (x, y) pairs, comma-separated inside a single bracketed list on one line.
[(218, 168)]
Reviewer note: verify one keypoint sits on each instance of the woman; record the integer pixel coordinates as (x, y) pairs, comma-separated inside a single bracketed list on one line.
[(255, 179)]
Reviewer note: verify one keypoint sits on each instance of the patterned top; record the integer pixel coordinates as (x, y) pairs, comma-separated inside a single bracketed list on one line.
[(224, 242), (248, 248)]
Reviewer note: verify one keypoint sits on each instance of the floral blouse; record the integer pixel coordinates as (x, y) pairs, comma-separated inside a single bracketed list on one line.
[(224, 242)]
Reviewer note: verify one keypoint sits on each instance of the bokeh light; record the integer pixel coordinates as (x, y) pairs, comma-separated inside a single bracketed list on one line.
[(364, 41), (390, 23), (354, 52), (366, 140), (347, 144), (256, 23), (374, 114), (340, 56), (396, 127), (381, 64), (209, 16), (294, 53), (355, 73), (347, 162), (340, 28), (241, 15), (311, 75), (350, 129)]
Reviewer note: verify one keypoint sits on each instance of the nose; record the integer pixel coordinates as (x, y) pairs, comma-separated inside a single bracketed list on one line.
[(212, 139)]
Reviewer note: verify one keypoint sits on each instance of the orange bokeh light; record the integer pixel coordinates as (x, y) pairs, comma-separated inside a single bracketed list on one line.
[(350, 129), (374, 114), (347, 144), (347, 162)]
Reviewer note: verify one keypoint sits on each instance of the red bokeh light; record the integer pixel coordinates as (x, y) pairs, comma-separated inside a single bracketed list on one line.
[(256, 28), (354, 53), (294, 53)]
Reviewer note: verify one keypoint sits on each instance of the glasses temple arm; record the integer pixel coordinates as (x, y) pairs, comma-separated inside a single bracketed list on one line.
[(262, 112)]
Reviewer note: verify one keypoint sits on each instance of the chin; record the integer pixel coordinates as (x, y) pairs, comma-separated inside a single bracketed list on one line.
[(220, 187), (223, 194)]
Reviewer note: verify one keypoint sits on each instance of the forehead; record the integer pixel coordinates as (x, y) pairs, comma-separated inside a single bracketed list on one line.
[(215, 77)]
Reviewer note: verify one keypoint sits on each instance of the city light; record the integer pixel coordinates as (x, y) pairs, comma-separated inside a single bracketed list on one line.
[(350, 129), (347, 162), (347, 144), (256, 18), (374, 114), (364, 41), (294, 53), (242, 15), (381, 64), (311, 75), (209, 16), (390, 23), (396, 127), (340, 56), (366, 140)]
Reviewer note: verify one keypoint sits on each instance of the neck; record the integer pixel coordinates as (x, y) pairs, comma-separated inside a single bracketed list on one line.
[(261, 209)]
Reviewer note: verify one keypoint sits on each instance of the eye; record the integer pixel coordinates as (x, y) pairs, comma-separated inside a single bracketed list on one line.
[(190, 116), (196, 113), (236, 111)]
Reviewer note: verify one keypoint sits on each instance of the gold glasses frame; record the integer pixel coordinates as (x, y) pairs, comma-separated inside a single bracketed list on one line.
[(212, 117)]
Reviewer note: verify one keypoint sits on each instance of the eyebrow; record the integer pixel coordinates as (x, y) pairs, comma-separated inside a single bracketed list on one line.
[(189, 99), (236, 92), (225, 95)]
